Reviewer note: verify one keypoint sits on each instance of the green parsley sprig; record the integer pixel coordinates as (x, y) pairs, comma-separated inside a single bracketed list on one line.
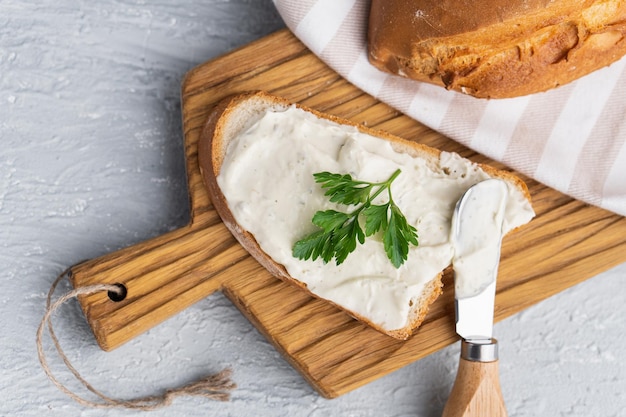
[(339, 232)]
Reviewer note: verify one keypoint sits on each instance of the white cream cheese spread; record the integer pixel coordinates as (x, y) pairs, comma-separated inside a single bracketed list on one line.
[(476, 237), (267, 180)]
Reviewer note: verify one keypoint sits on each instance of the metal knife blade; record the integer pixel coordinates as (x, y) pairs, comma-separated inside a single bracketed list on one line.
[(477, 236), (474, 315)]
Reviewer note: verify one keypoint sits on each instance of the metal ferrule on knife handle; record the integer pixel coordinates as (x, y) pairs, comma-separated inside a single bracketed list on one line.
[(476, 391), (482, 350)]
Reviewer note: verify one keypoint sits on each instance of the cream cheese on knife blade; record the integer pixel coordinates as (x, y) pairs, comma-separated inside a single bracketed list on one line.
[(267, 179), (477, 239)]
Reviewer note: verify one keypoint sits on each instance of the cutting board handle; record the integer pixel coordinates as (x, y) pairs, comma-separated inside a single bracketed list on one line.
[(161, 276)]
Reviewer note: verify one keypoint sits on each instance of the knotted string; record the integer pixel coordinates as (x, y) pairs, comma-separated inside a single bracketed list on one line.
[(215, 387)]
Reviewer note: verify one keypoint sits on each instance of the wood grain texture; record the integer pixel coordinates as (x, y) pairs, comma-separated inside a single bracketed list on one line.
[(565, 244), (476, 391)]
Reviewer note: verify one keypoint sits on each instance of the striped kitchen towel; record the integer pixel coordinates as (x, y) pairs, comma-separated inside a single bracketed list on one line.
[(571, 138)]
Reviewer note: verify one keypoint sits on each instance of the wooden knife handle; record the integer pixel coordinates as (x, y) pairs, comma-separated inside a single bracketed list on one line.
[(476, 391)]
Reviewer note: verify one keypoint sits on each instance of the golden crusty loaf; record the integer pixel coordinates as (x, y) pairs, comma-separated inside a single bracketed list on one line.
[(235, 115), (496, 48)]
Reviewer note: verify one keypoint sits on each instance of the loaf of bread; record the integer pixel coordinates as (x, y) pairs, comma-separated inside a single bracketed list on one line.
[(496, 48), (257, 155)]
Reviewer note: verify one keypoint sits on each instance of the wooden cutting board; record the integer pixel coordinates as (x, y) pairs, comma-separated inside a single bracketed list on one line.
[(565, 244)]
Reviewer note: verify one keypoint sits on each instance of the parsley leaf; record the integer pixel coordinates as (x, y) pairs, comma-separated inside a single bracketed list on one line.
[(315, 245), (375, 218), (339, 232), (329, 219), (343, 189), (397, 237)]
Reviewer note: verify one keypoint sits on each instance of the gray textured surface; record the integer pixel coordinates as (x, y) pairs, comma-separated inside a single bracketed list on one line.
[(91, 161)]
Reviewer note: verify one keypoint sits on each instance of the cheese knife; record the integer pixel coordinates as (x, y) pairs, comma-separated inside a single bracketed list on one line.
[(477, 234)]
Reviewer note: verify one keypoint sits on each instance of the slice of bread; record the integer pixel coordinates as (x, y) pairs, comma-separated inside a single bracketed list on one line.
[(257, 154)]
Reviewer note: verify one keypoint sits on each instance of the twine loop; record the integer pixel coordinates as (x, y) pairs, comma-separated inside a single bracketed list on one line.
[(215, 387)]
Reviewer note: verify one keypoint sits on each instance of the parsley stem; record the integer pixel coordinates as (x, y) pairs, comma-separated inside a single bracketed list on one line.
[(382, 186), (385, 185)]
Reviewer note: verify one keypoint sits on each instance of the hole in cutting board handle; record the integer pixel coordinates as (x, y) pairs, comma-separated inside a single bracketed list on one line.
[(117, 297)]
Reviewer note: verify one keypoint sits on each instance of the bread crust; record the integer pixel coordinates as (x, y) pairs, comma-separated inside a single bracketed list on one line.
[(233, 114), (496, 48)]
